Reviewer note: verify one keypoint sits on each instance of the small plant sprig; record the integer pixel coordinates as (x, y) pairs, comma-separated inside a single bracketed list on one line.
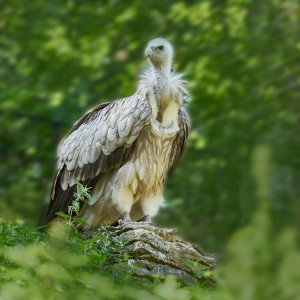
[(82, 194)]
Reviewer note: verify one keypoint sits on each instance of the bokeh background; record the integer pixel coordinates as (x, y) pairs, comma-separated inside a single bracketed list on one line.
[(241, 59)]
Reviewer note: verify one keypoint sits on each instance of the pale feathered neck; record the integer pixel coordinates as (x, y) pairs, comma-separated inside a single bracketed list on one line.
[(151, 77), (163, 70)]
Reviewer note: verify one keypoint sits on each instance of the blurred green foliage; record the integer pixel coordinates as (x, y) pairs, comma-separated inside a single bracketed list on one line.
[(60, 266), (235, 196), (241, 58)]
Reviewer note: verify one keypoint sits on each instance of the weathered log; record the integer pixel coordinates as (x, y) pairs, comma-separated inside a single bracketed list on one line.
[(158, 252)]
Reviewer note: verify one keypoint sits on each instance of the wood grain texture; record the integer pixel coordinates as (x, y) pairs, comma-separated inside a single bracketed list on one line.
[(160, 252)]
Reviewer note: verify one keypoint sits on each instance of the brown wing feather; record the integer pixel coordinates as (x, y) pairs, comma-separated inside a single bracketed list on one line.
[(100, 141), (180, 141)]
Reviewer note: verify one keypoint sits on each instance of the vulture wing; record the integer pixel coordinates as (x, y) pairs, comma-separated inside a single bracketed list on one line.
[(180, 141), (100, 141)]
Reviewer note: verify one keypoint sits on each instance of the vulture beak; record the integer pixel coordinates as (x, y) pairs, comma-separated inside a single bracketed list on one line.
[(149, 51)]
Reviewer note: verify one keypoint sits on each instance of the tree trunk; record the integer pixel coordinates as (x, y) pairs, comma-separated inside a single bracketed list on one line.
[(157, 252)]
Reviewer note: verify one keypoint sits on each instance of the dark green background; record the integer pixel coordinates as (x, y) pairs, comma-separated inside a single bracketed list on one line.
[(241, 59)]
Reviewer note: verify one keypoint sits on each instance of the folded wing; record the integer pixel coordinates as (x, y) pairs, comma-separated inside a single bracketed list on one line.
[(180, 141), (100, 141)]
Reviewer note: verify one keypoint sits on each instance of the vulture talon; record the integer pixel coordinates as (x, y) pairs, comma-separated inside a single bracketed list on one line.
[(146, 220), (125, 220)]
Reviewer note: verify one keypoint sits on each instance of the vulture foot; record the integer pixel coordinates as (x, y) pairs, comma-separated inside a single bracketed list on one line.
[(145, 220), (125, 220)]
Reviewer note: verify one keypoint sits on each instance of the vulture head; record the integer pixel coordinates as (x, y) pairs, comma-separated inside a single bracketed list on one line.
[(159, 52)]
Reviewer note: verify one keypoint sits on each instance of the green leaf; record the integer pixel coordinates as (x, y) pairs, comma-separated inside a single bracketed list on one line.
[(62, 215), (80, 221)]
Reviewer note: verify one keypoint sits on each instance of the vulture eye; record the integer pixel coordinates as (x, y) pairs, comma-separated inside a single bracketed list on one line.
[(160, 48)]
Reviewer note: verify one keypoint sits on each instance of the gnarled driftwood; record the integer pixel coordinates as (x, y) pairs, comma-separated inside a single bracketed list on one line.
[(157, 251)]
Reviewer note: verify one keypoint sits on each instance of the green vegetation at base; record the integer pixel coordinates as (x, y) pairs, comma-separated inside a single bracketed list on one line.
[(259, 264), (61, 264)]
